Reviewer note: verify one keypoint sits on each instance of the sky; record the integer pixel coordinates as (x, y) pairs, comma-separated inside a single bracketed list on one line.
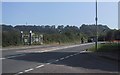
[(60, 13)]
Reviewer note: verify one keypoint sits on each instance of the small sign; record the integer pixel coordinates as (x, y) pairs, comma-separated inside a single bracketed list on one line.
[(25, 40)]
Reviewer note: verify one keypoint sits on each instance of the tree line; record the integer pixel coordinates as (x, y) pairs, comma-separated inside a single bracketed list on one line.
[(59, 34)]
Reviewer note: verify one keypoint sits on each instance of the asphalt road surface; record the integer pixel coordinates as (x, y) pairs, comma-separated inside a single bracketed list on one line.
[(56, 59)]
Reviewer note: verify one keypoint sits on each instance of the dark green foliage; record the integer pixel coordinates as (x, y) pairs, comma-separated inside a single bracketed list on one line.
[(108, 47), (37, 29), (90, 30), (52, 34), (60, 34), (113, 35), (10, 36)]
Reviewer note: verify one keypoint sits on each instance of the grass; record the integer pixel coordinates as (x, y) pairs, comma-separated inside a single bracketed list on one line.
[(19, 46), (109, 47)]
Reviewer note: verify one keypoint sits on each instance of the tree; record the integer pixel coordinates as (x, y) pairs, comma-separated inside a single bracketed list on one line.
[(113, 35)]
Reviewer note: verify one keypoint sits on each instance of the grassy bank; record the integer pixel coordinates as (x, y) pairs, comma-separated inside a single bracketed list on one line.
[(45, 44), (109, 47)]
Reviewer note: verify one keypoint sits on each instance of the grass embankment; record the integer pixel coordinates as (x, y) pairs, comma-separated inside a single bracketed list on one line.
[(45, 44), (108, 47)]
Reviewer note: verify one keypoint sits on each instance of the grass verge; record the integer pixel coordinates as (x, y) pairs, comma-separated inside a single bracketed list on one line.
[(108, 47)]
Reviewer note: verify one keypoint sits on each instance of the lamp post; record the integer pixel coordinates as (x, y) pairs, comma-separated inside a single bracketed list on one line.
[(96, 19), (30, 37), (21, 37), (59, 38)]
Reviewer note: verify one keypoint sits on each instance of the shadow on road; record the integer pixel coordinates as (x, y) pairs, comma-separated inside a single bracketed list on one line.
[(84, 60)]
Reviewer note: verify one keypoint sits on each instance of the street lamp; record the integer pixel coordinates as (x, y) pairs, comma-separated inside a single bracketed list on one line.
[(30, 37), (59, 38), (96, 19), (21, 36), (30, 31)]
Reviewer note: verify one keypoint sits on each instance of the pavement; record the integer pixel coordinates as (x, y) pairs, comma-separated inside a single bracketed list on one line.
[(29, 47), (109, 55), (57, 59)]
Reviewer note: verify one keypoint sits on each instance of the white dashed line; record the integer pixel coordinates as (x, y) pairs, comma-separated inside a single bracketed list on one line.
[(71, 55), (75, 54), (19, 73), (48, 63), (12, 56), (40, 66), (2, 58), (66, 57), (57, 60), (62, 58), (83, 51), (29, 70), (16, 56)]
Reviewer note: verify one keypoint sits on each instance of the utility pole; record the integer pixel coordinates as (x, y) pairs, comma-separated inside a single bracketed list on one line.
[(96, 19)]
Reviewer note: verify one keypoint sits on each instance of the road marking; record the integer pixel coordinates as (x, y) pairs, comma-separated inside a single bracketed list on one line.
[(29, 70), (54, 48), (56, 60), (41, 51), (40, 66), (62, 58), (15, 56), (83, 51), (48, 63), (75, 54), (12, 56), (71, 55), (67, 57), (2, 58), (19, 73)]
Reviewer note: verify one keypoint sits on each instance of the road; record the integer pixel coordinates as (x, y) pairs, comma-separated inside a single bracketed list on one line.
[(56, 59)]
